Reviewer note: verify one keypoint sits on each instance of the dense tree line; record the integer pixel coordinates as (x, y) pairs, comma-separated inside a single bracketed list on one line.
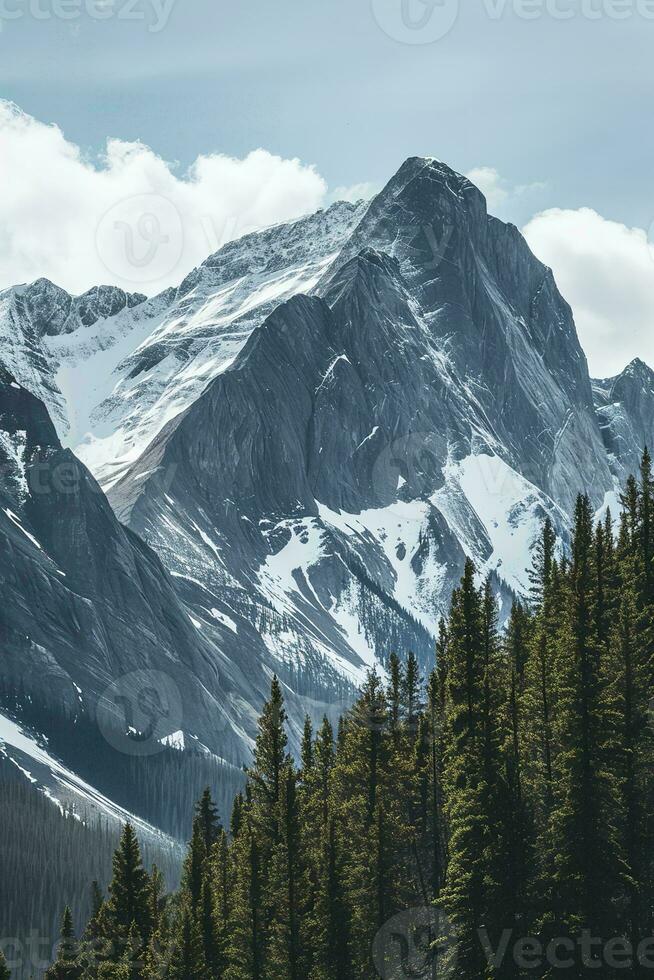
[(493, 821), (48, 856)]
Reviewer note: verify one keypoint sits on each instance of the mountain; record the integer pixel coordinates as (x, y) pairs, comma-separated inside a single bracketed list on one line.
[(298, 447), (112, 368), (625, 408), (428, 399), (90, 621)]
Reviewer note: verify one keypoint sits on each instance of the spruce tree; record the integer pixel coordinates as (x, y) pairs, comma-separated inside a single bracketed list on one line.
[(246, 943), (306, 752), (284, 890), (187, 957), (194, 866), (67, 965), (206, 814), (129, 892), (586, 845), (463, 896), (269, 762)]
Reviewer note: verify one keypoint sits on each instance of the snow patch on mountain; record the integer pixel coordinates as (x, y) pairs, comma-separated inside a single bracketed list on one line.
[(510, 509), (25, 751)]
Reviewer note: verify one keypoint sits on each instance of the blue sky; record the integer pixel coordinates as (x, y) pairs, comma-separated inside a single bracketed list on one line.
[(566, 102), (554, 96)]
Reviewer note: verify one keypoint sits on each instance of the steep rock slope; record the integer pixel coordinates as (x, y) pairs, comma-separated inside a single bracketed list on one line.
[(113, 368), (430, 399), (88, 611), (625, 407)]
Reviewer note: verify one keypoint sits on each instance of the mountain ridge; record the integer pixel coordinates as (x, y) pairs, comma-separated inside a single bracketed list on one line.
[(304, 440)]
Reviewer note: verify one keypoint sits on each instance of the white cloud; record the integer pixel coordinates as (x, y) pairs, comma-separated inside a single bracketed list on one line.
[(492, 186), (502, 197), (606, 272), (356, 192), (129, 218)]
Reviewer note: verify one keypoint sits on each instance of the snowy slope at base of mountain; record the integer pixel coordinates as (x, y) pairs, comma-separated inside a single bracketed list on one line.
[(63, 787)]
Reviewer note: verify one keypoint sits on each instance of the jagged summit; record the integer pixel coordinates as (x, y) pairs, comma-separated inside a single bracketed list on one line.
[(320, 423), (638, 368)]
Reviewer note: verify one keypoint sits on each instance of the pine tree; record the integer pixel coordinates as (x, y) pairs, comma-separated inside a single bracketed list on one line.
[(187, 958), (237, 815), (93, 928), (326, 933), (67, 965), (463, 896), (222, 878), (586, 846), (519, 823), (246, 944), (129, 893), (306, 752), (156, 897), (542, 563), (206, 814), (5, 973), (270, 759), (284, 889), (410, 693), (194, 866), (394, 694), (210, 931)]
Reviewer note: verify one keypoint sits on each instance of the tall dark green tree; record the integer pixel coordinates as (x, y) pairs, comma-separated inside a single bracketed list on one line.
[(206, 814), (129, 892), (68, 964)]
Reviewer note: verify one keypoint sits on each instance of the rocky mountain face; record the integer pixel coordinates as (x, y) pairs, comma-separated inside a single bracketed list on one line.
[(625, 409), (112, 368), (299, 445)]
